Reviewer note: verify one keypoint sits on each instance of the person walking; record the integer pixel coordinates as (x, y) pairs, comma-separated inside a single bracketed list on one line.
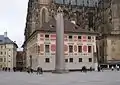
[(112, 68), (28, 70), (41, 70), (38, 70), (98, 68), (9, 69), (117, 68)]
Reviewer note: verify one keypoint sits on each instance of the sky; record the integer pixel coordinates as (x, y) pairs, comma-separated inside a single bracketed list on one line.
[(13, 18)]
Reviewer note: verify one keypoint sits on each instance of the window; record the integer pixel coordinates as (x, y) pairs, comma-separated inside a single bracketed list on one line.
[(70, 48), (89, 49), (9, 55), (1, 59), (80, 59), (46, 36), (47, 60), (70, 37), (90, 59), (43, 16), (4, 59), (71, 60), (66, 60), (1, 47), (79, 37), (5, 53), (89, 37), (47, 48), (79, 49), (1, 53)]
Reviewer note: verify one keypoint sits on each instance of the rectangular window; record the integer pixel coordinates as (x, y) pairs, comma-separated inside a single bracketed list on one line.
[(1, 53), (70, 37), (89, 49), (80, 49), (1, 59), (66, 60), (5, 53), (90, 59), (47, 60), (4, 59), (1, 47), (79, 37), (46, 36), (47, 48), (80, 59), (71, 60), (89, 37), (70, 48)]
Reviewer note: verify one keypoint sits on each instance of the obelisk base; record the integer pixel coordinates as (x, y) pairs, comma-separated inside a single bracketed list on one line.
[(61, 71)]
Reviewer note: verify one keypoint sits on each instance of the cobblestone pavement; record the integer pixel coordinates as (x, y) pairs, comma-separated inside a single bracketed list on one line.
[(73, 78)]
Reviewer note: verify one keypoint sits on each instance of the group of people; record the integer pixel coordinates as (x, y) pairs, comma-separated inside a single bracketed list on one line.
[(84, 69), (6, 69), (117, 68), (39, 70), (99, 68)]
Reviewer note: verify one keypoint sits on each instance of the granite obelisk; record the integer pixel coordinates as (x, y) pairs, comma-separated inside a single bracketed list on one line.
[(60, 58)]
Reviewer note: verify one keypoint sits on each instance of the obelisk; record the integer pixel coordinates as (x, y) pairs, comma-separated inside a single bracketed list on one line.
[(60, 58)]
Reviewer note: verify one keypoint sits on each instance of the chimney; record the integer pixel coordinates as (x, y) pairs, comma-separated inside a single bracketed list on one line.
[(5, 34)]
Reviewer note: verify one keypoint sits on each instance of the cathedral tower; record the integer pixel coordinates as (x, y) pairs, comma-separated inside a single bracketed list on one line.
[(38, 13)]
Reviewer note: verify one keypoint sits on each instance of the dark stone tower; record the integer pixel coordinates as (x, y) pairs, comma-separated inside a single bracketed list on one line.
[(80, 12)]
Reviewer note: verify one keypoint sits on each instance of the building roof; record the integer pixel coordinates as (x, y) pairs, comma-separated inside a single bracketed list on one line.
[(69, 27), (6, 40)]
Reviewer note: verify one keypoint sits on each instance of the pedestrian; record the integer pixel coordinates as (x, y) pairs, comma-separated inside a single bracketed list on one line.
[(38, 70), (84, 69), (28, 70), (9, 69), (98, 68), (112, 68), (31, 70), (41, 70), (101, 69), (117, 68), (14, 69), (3, 69), (90, 68)]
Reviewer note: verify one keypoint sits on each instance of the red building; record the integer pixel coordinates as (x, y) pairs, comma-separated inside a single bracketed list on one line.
[(80, 45)]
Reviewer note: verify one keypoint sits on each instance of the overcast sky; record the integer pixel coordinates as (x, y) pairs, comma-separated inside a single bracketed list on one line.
[(13, 18)]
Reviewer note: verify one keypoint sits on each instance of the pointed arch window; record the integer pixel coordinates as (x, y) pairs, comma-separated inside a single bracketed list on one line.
[(43, 16)]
